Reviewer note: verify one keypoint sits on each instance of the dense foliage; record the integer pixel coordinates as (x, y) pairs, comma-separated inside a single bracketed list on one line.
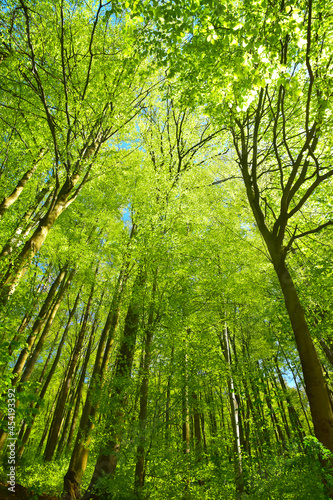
[(166, 255)]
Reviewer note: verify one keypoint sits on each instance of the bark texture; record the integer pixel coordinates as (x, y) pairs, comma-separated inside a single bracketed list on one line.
[(107, 460)]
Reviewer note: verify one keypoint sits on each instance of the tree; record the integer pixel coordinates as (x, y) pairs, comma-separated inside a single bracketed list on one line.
[(57, 86), (151, 339), (276, 108)]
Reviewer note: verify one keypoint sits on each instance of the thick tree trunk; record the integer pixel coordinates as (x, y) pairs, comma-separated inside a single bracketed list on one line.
[(315, 385), (79, 457), (35, 242), (247, 146), (107, 460)]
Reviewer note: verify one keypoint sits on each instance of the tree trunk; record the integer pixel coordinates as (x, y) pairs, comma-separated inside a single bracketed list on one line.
[(8, 202), (140, 453), (63, 430), (252, 406), (315, 385), (107, 460), (36, 352), (296, 424), (80, 389), (211, 404), (48, 378), (58, 414), (47, 423), (197, 425), (186, 431), (327, 350), (168, 397), (32, 246), (45, 314), (79, 457), (38, 325), (203, 431), (275, 423), (28, 222), (40, 380), (186, 412), (235, 415), (279, 396)]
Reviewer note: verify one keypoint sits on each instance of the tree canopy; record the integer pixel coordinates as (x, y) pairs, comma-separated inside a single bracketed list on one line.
[(166, 255)]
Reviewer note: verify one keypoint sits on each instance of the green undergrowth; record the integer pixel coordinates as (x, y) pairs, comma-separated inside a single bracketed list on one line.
[(297, 474)]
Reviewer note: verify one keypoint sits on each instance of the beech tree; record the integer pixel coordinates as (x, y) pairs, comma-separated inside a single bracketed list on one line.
[(277, 109), (165, 214), (49, 78)]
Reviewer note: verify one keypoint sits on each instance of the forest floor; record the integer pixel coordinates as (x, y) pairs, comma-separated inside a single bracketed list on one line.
[(22, 493)]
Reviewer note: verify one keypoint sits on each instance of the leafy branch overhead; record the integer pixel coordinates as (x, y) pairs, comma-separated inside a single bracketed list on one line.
[(166, 254)]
